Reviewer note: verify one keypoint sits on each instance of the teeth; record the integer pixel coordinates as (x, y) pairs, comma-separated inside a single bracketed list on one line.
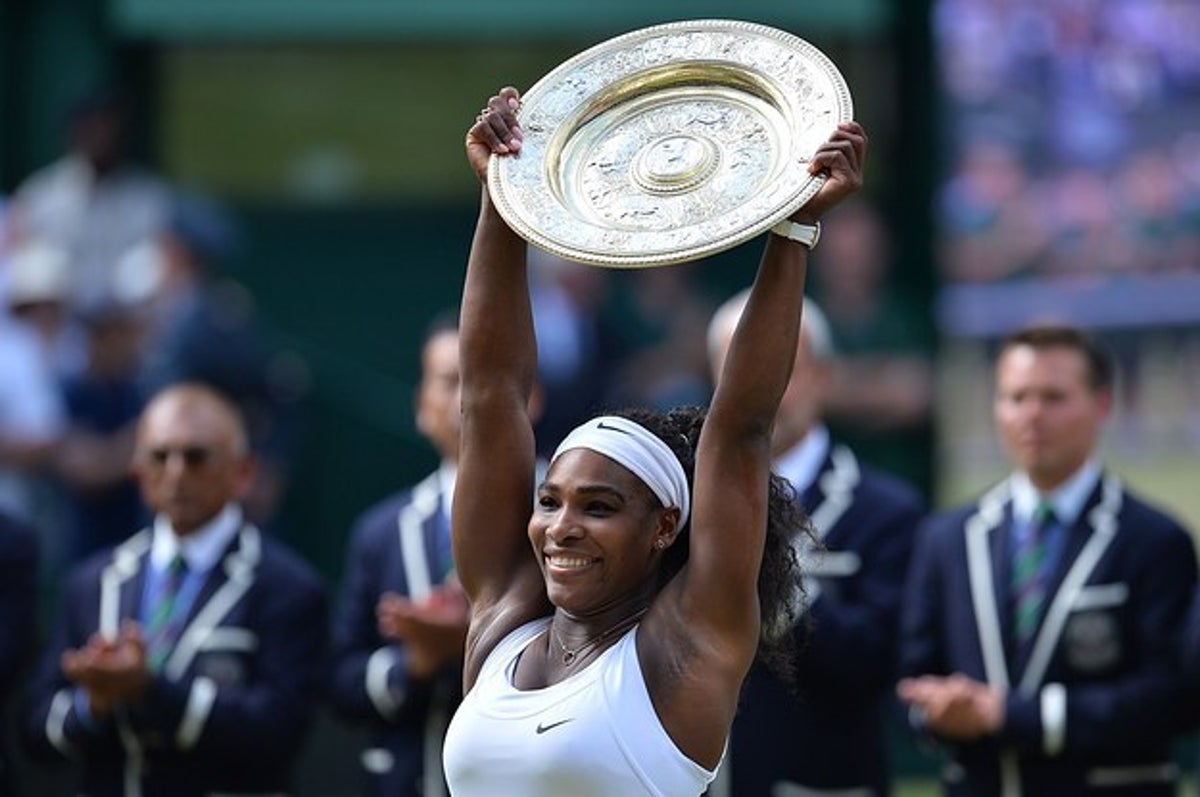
[(569, 561)]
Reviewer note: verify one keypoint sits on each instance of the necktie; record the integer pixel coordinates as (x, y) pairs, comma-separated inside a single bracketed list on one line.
[(164, 623), (1029, 579)]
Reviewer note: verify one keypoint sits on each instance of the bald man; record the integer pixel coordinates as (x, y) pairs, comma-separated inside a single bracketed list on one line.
[(188, 659), (829, 740)]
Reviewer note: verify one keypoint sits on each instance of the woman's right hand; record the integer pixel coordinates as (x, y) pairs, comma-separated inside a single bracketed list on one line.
[(841, 161), (496, 131)]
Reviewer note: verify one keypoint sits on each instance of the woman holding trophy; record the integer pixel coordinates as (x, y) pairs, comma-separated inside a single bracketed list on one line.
[(608, 659)]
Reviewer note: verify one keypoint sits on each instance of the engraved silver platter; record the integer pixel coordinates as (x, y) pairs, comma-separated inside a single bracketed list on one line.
[(669, 143)]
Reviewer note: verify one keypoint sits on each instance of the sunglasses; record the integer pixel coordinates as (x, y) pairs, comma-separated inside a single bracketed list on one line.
[(192, 456)]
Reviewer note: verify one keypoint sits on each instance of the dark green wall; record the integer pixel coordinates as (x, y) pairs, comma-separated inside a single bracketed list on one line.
[(351, 290)]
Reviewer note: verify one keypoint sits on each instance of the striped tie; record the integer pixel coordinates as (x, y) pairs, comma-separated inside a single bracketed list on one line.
[(1028, 578), (164, 623)]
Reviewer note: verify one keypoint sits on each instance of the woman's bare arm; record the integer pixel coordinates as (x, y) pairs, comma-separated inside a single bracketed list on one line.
[(719, 587), (494, 490)]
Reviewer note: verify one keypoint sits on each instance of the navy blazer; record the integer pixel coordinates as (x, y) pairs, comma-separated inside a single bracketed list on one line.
[(237, 694), (830, 736), (398, 545), (1188, 717), (18, 620), (1089, 711)]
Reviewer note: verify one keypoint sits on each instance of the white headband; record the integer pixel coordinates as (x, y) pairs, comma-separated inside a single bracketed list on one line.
[(638, 449)]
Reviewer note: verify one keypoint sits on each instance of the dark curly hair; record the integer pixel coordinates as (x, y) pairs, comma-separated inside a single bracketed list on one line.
[(780, 586)]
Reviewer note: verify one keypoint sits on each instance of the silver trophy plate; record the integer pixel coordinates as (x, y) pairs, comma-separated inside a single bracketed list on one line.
[(669, 143)]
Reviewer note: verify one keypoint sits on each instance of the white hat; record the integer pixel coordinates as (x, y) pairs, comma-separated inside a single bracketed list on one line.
[(37, 272)]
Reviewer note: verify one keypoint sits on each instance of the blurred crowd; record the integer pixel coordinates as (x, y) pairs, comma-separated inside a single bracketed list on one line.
[(1076, 152), (112, 285), (639, 341), (1071, 189)]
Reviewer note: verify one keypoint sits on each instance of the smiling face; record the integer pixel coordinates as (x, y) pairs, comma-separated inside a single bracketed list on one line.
[(593, 529), (1047, 411)]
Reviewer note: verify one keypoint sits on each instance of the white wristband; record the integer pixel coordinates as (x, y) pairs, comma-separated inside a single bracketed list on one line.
[(806, 234)]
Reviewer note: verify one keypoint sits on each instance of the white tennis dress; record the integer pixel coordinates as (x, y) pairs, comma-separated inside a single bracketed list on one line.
[(594, 734)]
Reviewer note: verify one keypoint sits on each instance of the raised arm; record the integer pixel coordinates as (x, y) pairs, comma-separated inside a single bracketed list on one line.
[(494, 490), (733, 455)]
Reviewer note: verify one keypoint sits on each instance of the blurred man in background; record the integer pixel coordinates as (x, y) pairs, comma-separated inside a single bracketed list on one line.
[(95, 202), (40, 344), (189, 659), (1041, 623), (103, 402), (402, 621), (204, 326)]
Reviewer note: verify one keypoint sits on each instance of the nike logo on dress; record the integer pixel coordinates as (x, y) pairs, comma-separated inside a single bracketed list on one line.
[(543, 728)]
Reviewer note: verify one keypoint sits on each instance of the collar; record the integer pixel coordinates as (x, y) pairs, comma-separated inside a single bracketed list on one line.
[(447, 475), (801, 463), (1067, 500), (201, 549)]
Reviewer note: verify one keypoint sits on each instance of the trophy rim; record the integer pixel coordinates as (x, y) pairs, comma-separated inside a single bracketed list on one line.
[(793, 185)]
